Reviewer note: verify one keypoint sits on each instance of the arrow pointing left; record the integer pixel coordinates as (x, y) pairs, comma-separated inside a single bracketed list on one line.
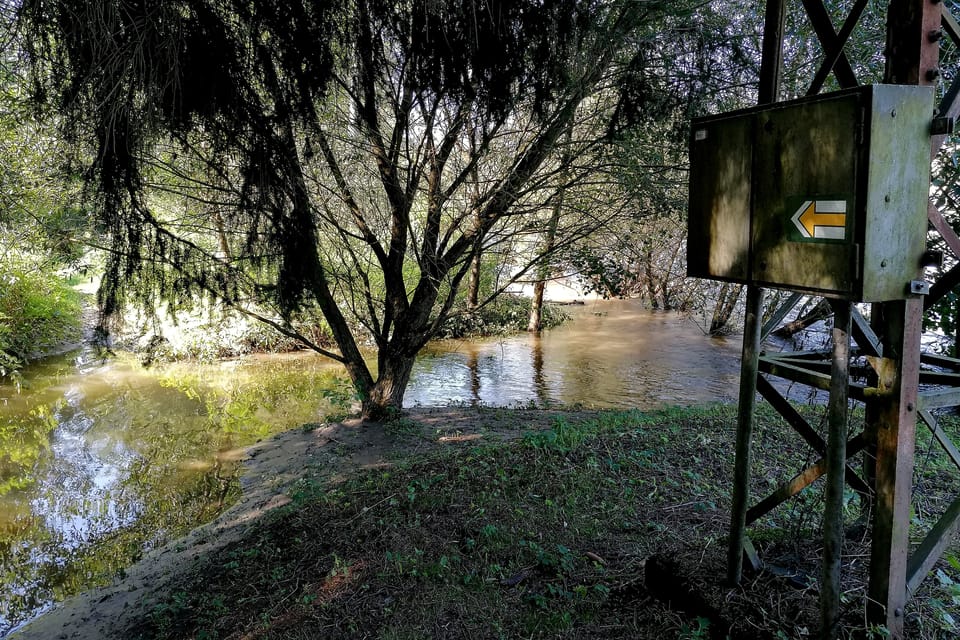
[(822, 219)]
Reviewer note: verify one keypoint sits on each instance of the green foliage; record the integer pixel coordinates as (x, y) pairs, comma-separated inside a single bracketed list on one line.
[(39, 228), (38, 311), (170, 438), (699, 629), (182, 67), (505, 314), (497, 541), (250, 402), (209, 332)]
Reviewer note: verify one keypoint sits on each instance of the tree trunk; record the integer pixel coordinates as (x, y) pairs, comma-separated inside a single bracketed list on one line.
[(543, 270), (473, 286), (536, 305), (650, 279), (820, 312), (723, 311), (222, 243), (385, 397)]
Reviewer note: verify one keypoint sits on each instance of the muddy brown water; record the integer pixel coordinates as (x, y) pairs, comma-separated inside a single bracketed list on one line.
[(103, 460)]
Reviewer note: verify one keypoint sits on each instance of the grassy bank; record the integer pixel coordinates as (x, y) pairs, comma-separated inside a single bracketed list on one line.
[(606, 525)]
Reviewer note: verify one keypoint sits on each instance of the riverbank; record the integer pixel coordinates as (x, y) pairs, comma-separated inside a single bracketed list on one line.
[(273, 470), (486, 523)]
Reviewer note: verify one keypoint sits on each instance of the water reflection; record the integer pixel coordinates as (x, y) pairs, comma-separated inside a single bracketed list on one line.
[(614, 354), (102, 461)]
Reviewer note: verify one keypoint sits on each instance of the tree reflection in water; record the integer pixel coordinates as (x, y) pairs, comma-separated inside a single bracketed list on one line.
[(99, 465)]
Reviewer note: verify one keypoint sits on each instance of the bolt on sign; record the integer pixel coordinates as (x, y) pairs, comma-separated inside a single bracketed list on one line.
[(822, 195)]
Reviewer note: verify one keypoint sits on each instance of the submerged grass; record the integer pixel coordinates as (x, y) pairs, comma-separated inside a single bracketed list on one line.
[(611, 525)]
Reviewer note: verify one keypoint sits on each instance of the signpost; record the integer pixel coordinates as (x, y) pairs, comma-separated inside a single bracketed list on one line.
[(828, 195)]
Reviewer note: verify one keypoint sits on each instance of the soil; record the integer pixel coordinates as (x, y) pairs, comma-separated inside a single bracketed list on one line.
[(326, 453)]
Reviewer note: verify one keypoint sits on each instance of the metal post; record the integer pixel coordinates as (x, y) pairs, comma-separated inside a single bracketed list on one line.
[(912, 58), (836, 458), (771, 62), (894, 418), (749, 364), (771, 65)]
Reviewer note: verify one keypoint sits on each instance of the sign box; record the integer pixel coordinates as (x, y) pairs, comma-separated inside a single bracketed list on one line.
[(825, 195)]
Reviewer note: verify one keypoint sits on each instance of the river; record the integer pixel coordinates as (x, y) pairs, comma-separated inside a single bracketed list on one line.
[(102, 460)]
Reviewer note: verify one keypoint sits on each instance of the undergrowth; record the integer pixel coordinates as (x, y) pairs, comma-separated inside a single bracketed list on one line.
[(38, 311), (612, 526), (505, 314)]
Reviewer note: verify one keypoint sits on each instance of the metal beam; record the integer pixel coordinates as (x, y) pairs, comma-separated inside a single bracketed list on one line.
[(804, 479), (801, 356), (911, 55), (932, 547), (937, 360), (768, 90), (949, 104), (745, 424), (820, 20), (833, 52), (940, 377), (938, 399), (777, 316), (935, 217), (946, 283), (892, 417), (771, 57), (911, 58), (782, 369), (787, 490), (950, 24), (931, 421), (863, 334)]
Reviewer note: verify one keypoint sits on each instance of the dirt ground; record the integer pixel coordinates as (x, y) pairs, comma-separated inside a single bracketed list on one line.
[(270, 468)]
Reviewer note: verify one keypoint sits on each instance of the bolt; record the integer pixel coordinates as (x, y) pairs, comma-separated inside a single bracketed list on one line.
[(883, 263), (898, 612), (935, 35), (886, 198), (909, 408), (893, 113), (933, 74)]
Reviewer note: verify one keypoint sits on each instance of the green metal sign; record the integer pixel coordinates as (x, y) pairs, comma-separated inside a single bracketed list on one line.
[(824, 195)]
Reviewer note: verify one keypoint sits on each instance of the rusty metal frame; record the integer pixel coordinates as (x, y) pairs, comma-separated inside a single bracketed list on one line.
[(912, 51), (833, 49)]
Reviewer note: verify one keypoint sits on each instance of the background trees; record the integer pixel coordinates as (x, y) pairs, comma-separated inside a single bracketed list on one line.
[(360, 161), (355, 156)]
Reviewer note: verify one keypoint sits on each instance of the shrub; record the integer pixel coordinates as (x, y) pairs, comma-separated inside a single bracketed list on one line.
[(38, 311), (506, 314)]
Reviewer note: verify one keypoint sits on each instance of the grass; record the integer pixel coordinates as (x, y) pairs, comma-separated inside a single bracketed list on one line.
[(606, 526)]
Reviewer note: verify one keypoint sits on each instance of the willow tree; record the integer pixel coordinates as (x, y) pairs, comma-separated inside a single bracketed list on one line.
[(372, 145)]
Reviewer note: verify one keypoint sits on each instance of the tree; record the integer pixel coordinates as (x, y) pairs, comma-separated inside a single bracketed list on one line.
[(373, 146)]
